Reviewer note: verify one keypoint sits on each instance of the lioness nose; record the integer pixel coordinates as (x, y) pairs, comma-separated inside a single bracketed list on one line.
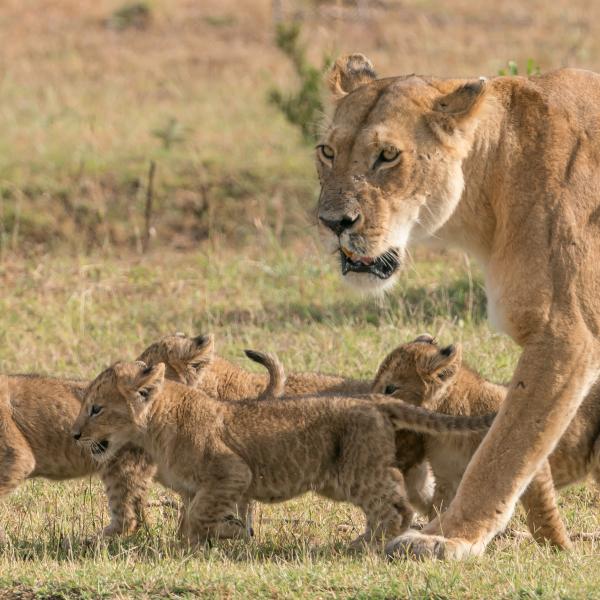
[(339, 226), (77, 435)]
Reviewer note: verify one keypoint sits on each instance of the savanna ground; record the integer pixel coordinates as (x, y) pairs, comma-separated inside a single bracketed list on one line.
[(87, 102)]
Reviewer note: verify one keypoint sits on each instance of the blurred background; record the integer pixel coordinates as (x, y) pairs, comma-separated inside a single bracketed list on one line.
[(223, 98)]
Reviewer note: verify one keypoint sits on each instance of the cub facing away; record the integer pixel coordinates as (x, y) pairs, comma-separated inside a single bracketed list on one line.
[(436, 378), (221, 455), (36, 414), (222, 379)]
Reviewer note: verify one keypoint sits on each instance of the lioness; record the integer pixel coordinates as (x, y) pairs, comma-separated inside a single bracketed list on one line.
[(36, 415), (219, 455), (508, 169)]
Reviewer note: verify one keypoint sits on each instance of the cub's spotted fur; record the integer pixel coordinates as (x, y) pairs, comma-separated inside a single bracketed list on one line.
[(221, 455)]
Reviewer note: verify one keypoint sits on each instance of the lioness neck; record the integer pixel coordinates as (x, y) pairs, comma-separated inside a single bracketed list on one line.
[(473, 224), (471, 394)]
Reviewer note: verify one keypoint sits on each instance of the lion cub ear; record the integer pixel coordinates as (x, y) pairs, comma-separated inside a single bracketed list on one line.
[(349, 72), (456, 112), (202, 351), (149, 380), (441, 366)]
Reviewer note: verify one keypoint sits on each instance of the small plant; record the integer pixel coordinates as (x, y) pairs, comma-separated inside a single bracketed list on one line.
[(135, 15), (512, 69), (171, 133), (304, 107)]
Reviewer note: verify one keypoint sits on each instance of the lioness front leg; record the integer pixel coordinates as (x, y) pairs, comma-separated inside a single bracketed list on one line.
[(553, 375)]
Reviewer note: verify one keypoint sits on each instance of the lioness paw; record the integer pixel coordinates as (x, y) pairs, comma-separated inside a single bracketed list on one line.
[(417, 545)]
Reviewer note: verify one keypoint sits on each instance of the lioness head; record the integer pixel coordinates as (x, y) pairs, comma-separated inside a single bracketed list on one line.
[(390, 164), (116, 406), (419, 372), (185, 357)]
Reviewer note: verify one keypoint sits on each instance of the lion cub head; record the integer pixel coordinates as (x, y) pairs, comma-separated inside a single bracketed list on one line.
[(116, 406), (419, 372), (185, 357), (390, 164)]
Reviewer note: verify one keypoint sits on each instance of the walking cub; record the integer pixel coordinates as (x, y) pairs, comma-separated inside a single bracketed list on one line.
[(220, 455), (426, 375), (192, 361), (224, 380), (36, 416)]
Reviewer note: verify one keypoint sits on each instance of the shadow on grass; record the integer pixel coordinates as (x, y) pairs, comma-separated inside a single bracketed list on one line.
[(462, 299)]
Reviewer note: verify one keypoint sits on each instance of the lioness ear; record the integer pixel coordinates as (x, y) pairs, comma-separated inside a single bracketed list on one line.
[(456, 111), (442, 365), (348, 73), (149, 380)]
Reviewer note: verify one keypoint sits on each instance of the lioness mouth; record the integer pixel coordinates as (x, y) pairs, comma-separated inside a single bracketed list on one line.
[(382, 266), (100, 447)]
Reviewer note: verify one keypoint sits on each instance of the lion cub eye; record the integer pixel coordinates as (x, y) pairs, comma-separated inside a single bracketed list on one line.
[(326, 152), (390, 389), (95, 410)]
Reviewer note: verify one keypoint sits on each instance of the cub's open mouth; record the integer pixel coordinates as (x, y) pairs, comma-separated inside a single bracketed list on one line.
[(382, 266), (100, 447)]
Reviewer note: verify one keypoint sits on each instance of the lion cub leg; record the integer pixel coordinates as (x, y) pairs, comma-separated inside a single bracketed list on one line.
[(126, 480), (382, 498), (17, 461), (212, 511), (543, 518)]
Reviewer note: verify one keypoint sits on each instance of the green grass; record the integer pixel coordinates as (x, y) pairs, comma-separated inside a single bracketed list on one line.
[(72, 316)]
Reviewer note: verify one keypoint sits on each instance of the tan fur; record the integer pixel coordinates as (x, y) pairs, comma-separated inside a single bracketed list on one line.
[(507, 169), (198, 366), (433, 377), (192, 361), (221, 455), (36, 416)]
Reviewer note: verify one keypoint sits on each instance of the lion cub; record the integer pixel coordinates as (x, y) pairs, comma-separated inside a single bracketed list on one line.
[(224, 380), (193, 362), (221, 455), (426, 375), (36, 413)]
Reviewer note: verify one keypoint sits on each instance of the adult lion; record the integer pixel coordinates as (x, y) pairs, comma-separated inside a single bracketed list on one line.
[(508, 170)]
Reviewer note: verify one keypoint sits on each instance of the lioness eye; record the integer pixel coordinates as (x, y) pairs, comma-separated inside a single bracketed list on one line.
[(390, 389), (95, 410), (389, 154), (326, 151)]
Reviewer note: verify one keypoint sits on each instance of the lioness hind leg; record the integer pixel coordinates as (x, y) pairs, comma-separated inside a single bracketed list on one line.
[(126, 479), (543, 517)]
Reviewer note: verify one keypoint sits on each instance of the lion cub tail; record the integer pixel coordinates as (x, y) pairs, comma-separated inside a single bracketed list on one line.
[(277, 377), (417, 418)]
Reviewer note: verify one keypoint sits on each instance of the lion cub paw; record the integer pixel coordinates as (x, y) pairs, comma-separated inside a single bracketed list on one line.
[(417, 545)]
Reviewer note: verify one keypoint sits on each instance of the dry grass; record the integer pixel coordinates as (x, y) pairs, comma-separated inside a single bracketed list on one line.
[(85, 107), (73, 316), (84, 110)]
